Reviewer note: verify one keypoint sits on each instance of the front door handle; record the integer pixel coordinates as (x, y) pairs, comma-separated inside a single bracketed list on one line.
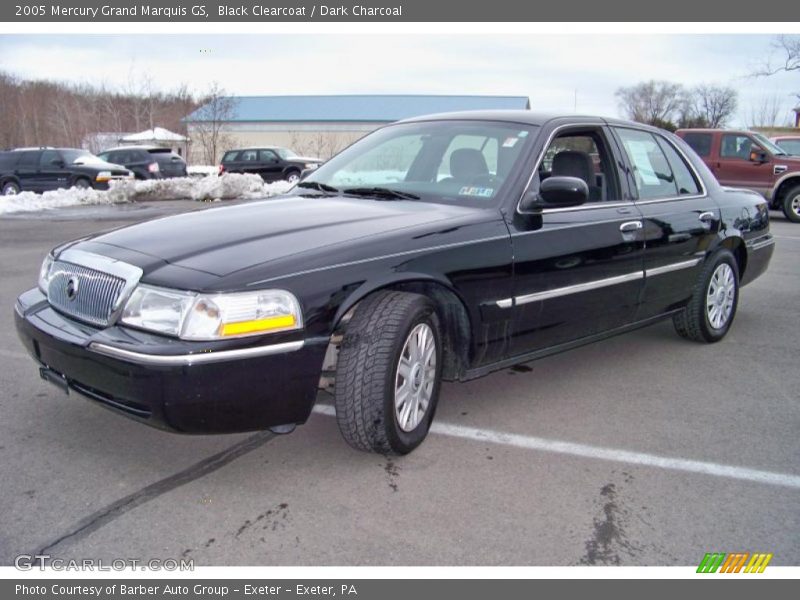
[(630, 226), (706, 217)]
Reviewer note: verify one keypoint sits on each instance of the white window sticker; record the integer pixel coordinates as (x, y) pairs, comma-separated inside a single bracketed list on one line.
[(638, 153), (480, 192)]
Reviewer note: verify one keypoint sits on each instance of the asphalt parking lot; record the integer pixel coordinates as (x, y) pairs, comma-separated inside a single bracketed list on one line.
[(641, 450)]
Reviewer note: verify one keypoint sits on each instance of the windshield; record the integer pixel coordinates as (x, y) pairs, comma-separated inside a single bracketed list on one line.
[(772, 148), (458, 162), (285, 153), (80, 157)]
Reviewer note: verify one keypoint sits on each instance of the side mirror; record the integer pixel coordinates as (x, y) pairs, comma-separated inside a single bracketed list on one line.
[(757, 155), (556, 192)]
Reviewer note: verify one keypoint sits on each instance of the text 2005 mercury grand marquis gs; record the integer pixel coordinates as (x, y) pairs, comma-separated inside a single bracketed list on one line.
[(438, 248)]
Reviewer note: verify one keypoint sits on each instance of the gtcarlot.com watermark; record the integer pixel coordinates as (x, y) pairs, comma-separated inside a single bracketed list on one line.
[(29, 562)]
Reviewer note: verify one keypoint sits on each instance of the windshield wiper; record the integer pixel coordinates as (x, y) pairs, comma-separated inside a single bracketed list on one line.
[(316, 185), (381, 192)]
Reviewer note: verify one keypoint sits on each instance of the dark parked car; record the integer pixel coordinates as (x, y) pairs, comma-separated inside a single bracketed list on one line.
[(747, 159), (273, 164), (147, 162), (45, 169), (438, 248)]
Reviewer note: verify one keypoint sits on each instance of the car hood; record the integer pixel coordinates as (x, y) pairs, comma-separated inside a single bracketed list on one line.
[(284, 234)]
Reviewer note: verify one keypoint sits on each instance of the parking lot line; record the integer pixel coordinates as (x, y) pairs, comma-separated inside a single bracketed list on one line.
[(607, 454)]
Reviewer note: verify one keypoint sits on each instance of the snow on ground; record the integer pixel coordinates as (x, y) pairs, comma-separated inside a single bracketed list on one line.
[(229, 186)]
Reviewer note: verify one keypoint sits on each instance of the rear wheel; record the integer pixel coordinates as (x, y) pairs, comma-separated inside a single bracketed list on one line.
[(10, 188), (710, 312), (791, 204), (293, 177), (389, 373)]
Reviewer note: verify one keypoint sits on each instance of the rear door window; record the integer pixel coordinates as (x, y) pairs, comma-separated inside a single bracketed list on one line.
[(651, 169), (684, 178), (48, 157), (248, 156)]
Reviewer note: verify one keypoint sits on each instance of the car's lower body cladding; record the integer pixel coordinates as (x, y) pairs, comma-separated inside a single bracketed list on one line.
[(247, 389)]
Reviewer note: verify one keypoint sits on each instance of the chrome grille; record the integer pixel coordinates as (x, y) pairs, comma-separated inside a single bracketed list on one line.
[(87, 294)]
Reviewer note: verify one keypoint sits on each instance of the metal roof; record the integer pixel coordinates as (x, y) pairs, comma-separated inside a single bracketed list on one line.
[(355, 108)]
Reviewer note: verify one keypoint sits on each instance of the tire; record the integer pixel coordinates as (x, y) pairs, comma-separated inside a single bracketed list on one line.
[(791, 204), (705, 320), (293, 177), (11, 188), (384, 328), (82, 183)]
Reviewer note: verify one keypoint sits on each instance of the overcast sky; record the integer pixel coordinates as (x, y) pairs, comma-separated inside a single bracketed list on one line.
[(551, 69)]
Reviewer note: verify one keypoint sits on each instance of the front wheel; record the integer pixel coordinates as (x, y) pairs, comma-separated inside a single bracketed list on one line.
[(389, 373), (710, 312), (791, 204), (82, 184)]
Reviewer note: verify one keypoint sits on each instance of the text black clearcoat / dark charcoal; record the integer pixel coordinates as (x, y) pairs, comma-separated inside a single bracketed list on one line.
[(492, 274)]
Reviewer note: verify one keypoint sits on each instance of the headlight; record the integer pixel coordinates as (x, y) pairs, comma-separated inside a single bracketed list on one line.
[(212, 316), (44, 273), (103, 176)]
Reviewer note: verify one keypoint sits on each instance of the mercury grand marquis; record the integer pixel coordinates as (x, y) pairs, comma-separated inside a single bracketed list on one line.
[(435, 249)]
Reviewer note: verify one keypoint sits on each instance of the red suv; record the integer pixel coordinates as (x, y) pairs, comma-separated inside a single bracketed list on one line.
[(746, 159)]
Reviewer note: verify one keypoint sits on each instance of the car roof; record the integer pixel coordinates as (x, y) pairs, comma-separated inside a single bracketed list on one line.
[(254, 148), (526, 117), (712, 130), (786, 137)]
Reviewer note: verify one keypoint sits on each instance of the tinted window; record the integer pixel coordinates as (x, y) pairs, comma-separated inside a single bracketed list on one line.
[(248, 156), (684, 179), (651, 169), (106, 156), (700, 142), (47, 158), (267, 155), (230, 156), (737, 146), (8, 159), (30, 159)]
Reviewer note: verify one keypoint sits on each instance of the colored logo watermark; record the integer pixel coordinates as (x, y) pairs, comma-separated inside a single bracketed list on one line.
[(735, 562)]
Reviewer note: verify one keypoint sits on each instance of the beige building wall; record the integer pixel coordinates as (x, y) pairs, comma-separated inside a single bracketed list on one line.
[(321, 140)]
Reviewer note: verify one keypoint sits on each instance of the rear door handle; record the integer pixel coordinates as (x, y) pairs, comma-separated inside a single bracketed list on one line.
[(630, 226)]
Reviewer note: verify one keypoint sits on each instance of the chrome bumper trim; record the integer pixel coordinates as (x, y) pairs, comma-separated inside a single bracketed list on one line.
[(193, 359)]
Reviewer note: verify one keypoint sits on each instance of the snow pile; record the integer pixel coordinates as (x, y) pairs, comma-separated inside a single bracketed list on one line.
[(30, 202), (229, 186)]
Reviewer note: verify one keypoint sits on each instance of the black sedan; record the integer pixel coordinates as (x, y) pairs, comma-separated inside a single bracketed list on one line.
[(438, 248), (147, 162)]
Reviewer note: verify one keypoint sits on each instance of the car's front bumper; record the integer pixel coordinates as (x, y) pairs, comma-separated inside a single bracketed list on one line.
[(181, 386)]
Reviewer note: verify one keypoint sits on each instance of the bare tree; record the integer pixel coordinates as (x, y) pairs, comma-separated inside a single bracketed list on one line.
[(652, 102), (766, 113), (714, 104), (208, 123)]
